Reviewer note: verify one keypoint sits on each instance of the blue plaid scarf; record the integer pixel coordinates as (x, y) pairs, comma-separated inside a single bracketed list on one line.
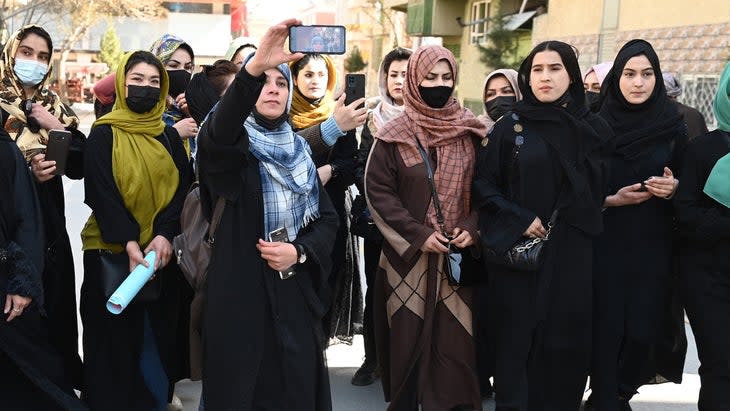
[(288, 177)]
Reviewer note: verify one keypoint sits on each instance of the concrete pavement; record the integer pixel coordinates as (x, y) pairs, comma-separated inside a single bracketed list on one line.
[(343, 360)]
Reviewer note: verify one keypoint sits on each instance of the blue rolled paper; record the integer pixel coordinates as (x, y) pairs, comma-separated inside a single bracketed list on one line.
[(129, 288)]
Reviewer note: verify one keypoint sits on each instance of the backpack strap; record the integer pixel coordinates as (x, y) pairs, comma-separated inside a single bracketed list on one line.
[(220, 205)]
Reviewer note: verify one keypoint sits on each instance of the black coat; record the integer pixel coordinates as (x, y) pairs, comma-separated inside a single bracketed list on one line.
[(540, 319), (33, 373), (114, 342), (254, 323), (59, 281)]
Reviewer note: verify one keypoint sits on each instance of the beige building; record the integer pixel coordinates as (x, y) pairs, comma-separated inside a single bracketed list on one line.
[(691, 39), (462, 27)]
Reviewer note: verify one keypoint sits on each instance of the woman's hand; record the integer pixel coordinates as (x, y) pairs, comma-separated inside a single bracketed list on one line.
[(15, 304), (664, 186), (462, 238), (349, 117), (182, 103), (536, 229), (325, 173), (163, 251), (629, 195), (435, 243), (135, 255), (279, 255), (46, 120), (42, 170), (186, 127), (271, 49)]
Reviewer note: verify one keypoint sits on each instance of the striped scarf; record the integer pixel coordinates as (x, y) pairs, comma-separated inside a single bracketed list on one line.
[(288, 177)]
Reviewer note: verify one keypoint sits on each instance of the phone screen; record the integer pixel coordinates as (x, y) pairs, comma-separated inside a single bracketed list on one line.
[(317, 39)]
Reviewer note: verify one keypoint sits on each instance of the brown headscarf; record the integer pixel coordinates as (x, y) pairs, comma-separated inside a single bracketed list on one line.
[(12, 95), (449, 130)]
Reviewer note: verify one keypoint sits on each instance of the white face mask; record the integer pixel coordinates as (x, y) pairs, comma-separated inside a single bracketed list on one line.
[(30, 72)]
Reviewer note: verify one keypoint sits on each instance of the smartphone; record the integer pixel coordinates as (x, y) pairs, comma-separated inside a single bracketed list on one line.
[(354, 88), (59, 142), (281, 235), (317, 39)]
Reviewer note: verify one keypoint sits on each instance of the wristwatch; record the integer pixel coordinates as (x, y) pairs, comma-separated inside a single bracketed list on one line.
[(301, 254)]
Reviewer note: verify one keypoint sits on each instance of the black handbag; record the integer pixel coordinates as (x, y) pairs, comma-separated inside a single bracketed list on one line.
[(525, 254), (361, 221), (114, 269), (453, 261)]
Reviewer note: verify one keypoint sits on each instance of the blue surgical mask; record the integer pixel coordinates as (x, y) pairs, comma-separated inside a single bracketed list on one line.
[(30, 72)]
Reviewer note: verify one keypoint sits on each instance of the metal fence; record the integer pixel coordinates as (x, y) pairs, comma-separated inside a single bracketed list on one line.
[(698, 91)]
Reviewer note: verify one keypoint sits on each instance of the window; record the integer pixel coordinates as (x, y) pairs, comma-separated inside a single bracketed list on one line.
[(479, 22)]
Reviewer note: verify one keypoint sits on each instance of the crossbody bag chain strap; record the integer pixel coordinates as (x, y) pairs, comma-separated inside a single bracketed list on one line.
[(434, 193)]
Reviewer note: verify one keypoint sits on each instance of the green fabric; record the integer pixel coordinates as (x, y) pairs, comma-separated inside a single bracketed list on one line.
[(143, 170), (721, 105), (718, 183)]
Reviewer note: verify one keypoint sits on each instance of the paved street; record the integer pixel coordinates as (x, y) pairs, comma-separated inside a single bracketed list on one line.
[(343, 360)]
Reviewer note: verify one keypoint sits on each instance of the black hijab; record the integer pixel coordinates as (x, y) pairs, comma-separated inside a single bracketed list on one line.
[(574, 134), (638, 127), (200, 96)]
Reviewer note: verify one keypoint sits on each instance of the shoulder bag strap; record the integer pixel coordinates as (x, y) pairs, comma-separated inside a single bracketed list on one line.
[(220, 205), (434, 193)]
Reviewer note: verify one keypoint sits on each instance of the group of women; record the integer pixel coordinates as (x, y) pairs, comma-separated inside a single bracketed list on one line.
[(594, 181)]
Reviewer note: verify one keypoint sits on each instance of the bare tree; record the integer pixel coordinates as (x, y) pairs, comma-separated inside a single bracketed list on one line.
[(79, 16)]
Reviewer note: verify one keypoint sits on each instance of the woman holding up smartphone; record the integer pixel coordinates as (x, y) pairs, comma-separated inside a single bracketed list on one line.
[(263, 345), (29, 111), (633, 256), (137, 176)]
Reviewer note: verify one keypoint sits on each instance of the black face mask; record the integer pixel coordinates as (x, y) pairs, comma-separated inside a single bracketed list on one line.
[(142, 99), (593, 100), (268, 123), (435, 97), (496, 107), (179, 80)]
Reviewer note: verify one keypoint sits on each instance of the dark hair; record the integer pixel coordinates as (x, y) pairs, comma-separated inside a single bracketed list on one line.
[(218, 72), (568, 55), (245, 46), (299, 65), (39, 31), (142, 56), (397, 54), (186, 47)]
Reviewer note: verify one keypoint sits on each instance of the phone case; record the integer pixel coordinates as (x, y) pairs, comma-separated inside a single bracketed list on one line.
[(354, 88), (281, 235), (57, 148)]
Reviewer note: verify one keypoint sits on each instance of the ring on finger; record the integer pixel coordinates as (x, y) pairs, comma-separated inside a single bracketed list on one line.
[(17, 310)]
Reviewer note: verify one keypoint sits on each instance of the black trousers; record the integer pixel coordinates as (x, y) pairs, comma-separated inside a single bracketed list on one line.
[(372, 256), (707, 302)]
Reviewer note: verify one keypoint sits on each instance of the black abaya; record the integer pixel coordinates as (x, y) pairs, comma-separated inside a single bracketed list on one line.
[(262, 336), (704, 226), (33, 376)]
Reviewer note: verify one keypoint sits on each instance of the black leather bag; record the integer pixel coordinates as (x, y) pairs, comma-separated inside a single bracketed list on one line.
[(525, 255), (114, 269)]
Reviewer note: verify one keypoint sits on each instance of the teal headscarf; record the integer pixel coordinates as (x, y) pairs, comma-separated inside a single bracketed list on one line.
[(718, 183)]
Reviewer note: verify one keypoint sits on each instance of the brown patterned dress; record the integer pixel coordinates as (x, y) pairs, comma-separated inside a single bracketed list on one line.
[(423, 325)]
